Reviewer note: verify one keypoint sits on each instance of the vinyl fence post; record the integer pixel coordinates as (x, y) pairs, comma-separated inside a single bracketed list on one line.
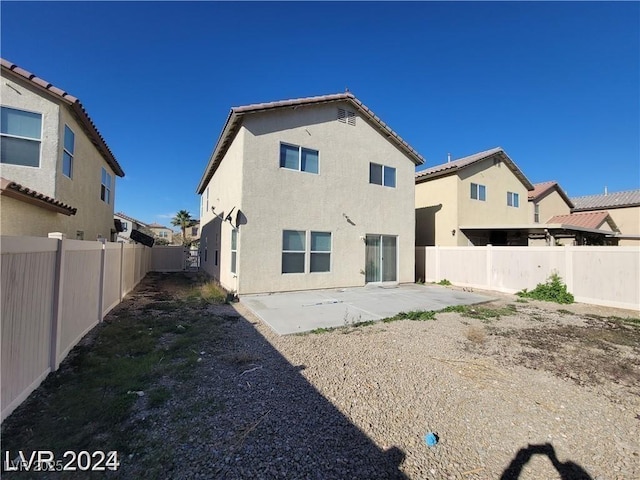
[(56, 314), (103, 256), (121, 271)]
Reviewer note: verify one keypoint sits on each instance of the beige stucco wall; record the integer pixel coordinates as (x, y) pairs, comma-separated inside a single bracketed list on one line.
[(94, 217), (628, 222), (498, 180), (339, 199), (550, 204), (225, 192), (14, 214), (437, 211), (18, 94)]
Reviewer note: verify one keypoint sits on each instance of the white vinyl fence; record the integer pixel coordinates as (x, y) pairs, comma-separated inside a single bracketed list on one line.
[(608, 276), (54, 291)]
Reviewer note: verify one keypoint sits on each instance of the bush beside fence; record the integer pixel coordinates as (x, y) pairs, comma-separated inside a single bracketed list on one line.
[(608, 276)]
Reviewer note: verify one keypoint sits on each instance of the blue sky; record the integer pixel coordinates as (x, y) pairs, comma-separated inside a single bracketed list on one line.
[(557, 85)]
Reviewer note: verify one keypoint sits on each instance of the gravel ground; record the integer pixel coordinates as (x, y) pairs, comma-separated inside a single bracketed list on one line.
[(513, 391), (541, 393)]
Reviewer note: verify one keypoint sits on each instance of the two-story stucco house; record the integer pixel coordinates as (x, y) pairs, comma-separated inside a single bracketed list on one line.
[(58, 174), (476, 200), (161, 232), (306, 194), (546, 200)]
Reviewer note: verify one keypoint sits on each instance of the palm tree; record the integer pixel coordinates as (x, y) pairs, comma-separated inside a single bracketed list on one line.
[(183, 220)]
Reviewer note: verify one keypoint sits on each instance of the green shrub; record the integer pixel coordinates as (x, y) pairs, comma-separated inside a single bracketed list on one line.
[(444, 282), (554, 290)]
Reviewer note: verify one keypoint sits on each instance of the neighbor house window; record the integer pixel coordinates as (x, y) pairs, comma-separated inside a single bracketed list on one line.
[(513, 199), (125, 226), (194, 231), (298, 158), (293, 251), (21, 135), (382, 175), (234, 250), (105, 187), (536, 213), (478, 192), (67, 153), (320, 252), (163, 234)]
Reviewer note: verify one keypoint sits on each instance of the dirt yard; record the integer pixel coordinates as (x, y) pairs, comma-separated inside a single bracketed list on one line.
[(184, 386)]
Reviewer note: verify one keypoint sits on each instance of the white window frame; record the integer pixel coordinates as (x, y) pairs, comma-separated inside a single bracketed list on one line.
[(385, 175), (536, 213), (20, 137), (66, 151), (481, 192), (304, 252), (321, 252), (105, 190), (300, 149), (234, 251), (513, 199)]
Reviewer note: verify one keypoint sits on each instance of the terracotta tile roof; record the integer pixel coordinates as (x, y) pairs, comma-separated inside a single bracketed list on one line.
[(157, 225), (541, 189), (586, 220), (456, 165), (628, 198), (75, 106), (131, 219), (22, 193), (234, 121)]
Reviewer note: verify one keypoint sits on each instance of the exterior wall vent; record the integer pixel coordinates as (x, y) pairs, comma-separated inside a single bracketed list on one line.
[(346, 116)]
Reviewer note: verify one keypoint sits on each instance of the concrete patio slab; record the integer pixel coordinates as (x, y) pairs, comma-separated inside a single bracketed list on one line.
[(297, 312)]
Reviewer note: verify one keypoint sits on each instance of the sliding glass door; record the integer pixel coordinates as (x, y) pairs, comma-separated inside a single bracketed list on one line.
[(381, 258)]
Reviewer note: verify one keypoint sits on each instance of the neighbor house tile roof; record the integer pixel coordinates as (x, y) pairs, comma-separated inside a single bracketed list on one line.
[(586, 220), (629, 198), (457, 165), (131, 219), (157, 225), (75, 106), (541, 189), (234, 121), (24, 194)]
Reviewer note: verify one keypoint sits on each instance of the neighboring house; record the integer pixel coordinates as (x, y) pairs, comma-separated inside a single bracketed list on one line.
[(58, 174), (476, 200), (623, 207), (126, 224), (550, 206), (161, 232), (308, 193), (546, 200), (193, 232)]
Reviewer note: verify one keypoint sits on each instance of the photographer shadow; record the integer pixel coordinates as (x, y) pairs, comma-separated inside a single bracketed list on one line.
[(567, 470)]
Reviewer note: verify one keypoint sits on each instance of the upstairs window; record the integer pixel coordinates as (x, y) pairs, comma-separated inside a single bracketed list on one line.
[(513, 199), (478, 192), (536, 213), (382, 175), (125, 226), (302, 159), (67, 153), (21, 135), (105, 187)]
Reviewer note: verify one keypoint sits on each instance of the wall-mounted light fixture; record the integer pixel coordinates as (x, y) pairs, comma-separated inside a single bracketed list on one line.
[(453, 232)]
